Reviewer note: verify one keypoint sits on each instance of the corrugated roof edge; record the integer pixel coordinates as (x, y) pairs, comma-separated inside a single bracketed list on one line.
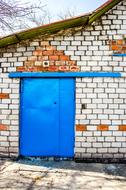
[(53, 28)]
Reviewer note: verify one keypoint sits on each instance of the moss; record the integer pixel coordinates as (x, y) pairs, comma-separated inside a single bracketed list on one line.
[(8, 40), (43, 30), (96, 15)]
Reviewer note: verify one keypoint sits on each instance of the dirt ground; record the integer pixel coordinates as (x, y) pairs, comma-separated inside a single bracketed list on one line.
[(62, 175)]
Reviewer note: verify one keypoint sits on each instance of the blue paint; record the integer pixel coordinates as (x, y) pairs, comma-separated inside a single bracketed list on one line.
[(47, 117), (67, 113), (120, 55), (64, 74)]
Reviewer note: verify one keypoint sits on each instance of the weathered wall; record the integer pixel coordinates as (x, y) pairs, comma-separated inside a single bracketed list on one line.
[(100, 102)]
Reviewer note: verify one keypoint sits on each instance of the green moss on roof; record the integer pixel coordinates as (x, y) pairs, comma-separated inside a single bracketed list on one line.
[(102, 11), (58, 26), (44, 30)]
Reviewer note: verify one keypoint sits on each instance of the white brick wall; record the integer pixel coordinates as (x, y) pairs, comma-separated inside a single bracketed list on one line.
[(103, 98)]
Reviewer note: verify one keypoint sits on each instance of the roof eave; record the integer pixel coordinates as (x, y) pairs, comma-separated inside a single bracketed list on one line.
[(47, 30), (102, 10)]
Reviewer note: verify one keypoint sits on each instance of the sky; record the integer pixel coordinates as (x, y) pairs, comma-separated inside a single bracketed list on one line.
[(79, 6), (61, 7), (56, 9)]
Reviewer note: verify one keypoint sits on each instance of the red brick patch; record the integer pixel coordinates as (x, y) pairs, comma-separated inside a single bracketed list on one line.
[(40, 68), (74, 68), (32, 69), (4, 96), (53, 68), (38, 52), (119, 42), (122, 128), (53, 58), (71, 62), (20, 69), (64, 68), (80, 127), (113, 42), (56, 52), (3, 127), (64, 58), (118, 46), (115, 47), (58, 61), (102, 127), (124, 48)]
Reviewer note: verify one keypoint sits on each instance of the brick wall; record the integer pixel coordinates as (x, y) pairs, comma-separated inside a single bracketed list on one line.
[(101, 117), (100, 102)]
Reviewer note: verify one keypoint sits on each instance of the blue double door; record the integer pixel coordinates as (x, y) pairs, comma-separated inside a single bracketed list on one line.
[(47, 117)]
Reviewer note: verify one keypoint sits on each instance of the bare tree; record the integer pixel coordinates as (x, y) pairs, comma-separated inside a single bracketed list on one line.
[(69, 13), (15, 15)]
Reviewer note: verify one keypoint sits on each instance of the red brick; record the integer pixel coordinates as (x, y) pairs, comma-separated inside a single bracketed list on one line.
[(60, 52), (53, 68), (4, 96), (122, 128), (119, 42), (37, 52), (74, 68), (39, 68), (115, 47), (81, 127), (113, 42), (32, 69), (20, 69), (64, 68), (3, 127), (124, 47), (102, 128), (59, 63), (49, 52), (71, 63), (64, 58), (53, 58)]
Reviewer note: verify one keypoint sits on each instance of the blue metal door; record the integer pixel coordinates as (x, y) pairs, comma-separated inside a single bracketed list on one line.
[(47, 117)]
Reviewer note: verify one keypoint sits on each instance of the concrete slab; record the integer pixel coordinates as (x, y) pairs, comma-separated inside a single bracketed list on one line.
[(63, 175)]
